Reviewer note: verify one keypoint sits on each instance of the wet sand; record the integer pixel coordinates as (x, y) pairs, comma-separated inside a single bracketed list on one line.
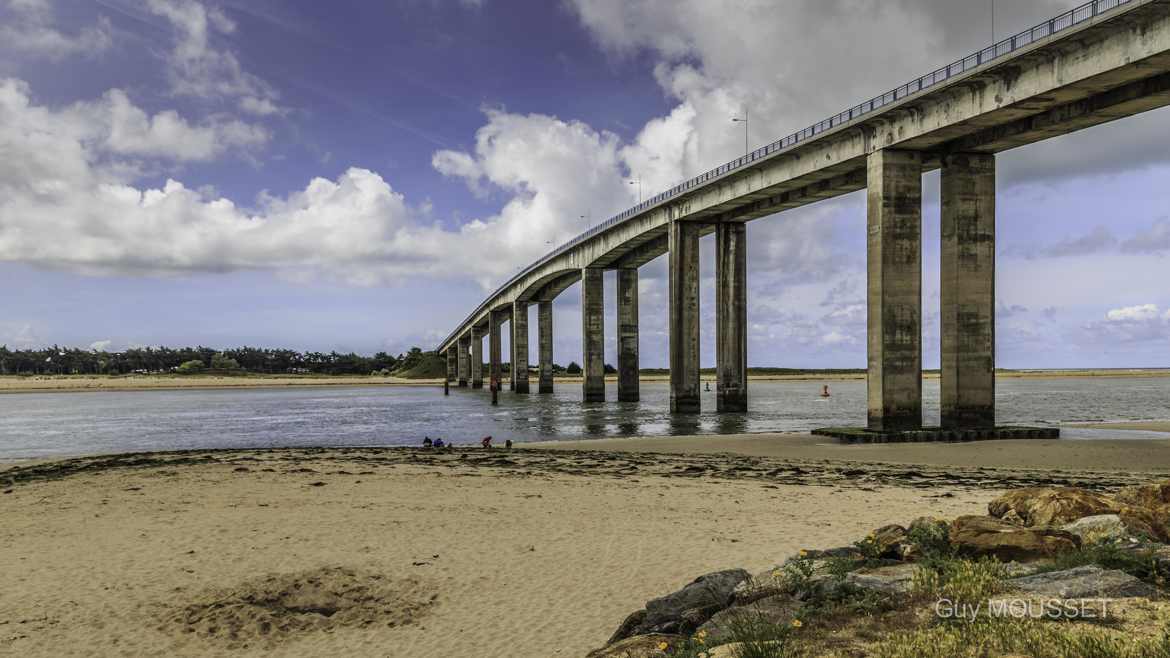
[(1146, 425), (529, 552), (1136, 455)]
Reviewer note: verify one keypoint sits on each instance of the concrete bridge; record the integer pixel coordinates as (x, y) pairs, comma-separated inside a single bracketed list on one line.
[(1099, 62)]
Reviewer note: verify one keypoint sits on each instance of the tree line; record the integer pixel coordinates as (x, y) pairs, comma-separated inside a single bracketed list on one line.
[(149, 360)]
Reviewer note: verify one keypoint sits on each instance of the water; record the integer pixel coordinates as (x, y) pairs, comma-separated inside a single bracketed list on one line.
[(55, 424)]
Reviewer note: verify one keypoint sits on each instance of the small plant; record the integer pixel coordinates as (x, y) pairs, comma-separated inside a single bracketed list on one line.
[(932, 539), (1141, 563), (960, 581), (1031, 638), (754, 635)]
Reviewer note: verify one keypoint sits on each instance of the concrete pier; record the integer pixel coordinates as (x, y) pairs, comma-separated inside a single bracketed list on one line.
[(462, 362), (593, 334), (684, 317), (967, 383), (520, 347), (731, 316), (494, 350), (894, 218), (627, 328), (476, 358), (544, 330), (452, 364)]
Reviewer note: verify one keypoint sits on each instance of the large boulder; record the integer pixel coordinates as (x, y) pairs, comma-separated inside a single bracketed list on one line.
[(719, 629), (1102, 528), (1150, 496), (889, 541), (894, 579), (1090, 581), (983, 535), (684, 610), (641, 646), (1047, 506)]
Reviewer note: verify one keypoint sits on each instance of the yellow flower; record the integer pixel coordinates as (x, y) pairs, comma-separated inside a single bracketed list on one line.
[(796, 623), (803, 553), (662, 646)]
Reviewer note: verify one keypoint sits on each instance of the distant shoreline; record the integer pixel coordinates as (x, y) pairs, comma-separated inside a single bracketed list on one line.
[(83, 383)]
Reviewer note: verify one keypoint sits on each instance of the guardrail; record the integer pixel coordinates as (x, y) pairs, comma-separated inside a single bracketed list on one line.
[(1075, 16)]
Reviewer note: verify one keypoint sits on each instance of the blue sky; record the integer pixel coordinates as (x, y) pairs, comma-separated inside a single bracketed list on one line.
[(357, 175)]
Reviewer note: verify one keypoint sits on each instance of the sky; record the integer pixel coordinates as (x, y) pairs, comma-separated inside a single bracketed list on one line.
[(358, 176)]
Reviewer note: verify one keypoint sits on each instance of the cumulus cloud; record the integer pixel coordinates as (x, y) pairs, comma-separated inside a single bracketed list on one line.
[(1130, 324), (67, 200), (1154, 239), (27, 26)]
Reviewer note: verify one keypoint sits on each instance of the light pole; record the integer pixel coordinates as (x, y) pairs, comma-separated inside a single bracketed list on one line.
[(638, 182), (744, 120)]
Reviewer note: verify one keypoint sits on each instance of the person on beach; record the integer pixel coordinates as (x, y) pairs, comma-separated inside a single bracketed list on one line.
[(426, 442), (439, 443), (825, 392), (486, 442), (508, 444)]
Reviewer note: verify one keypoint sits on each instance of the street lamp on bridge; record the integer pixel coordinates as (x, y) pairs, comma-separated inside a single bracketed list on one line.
[(744, 121)]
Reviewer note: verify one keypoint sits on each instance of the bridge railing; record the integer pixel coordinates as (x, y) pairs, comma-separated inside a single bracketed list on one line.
[(1041, 31)]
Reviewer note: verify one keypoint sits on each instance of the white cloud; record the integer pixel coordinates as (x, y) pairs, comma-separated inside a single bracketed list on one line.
[(1139, 313), (197, 68), (27, 27), (101, 345)]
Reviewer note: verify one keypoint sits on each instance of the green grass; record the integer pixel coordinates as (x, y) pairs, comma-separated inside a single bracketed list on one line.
[(1029, 638)]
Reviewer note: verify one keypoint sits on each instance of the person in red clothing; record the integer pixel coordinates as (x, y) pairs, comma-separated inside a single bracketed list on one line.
[(486, 442)]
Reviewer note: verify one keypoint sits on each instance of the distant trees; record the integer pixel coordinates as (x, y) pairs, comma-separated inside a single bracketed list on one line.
[(573, 368), (610, 370), (192, 367), (57, 360)]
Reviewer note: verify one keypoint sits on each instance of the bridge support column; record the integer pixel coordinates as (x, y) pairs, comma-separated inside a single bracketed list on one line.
[(731, 316), (894, 261), (462, 361), (593, 334), (452, 362), (968, 291), (627, 320), (494, 350), (476, 358), (684, 317), (544, 330), (520, 347)]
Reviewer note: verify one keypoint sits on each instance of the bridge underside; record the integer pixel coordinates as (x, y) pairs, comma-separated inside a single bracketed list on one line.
[(1095, 72)]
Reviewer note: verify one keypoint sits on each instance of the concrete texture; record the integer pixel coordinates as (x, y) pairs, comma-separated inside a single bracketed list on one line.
[(967, 291), (894, 261), (627, 328), (593, 334), (476, 357), (731, 317), (452, 364), (494, 350), (462, 361), (683, 272), (544, 330), (520, 347)]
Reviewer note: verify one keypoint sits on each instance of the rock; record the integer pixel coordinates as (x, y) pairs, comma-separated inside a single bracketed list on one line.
[(684, 610), (1150, 496), (760, 586), (1090, 581), (779, 609), (1017, 569), (1046, 506), (894, 579), (628, 626), (1147, 522), (984, 535), (1011, 517), (840, 551), (641, 646), (888, 540), (1098, 529)]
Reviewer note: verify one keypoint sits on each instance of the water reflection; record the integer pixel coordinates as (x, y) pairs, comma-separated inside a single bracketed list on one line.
[(33, 425)]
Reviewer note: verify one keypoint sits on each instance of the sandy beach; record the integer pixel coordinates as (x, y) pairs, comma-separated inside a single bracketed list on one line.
[(533, 552), (82, 383)]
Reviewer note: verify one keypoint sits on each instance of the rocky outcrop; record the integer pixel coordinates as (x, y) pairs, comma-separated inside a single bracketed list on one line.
[(780, 609), (1098, 529), (1087, 582), (895, 579), (977, 536), (1047, 506), (685, 610)]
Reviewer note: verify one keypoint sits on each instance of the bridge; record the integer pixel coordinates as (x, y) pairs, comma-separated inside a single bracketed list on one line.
[(1102, 61)]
